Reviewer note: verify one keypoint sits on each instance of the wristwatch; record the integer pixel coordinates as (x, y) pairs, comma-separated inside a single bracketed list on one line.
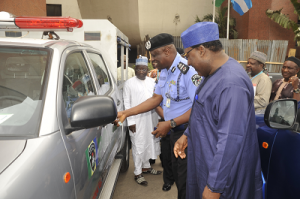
[(297, 90), (173, 123)]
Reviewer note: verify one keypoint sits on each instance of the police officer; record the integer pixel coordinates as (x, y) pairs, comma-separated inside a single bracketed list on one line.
[(176, 90), (166, 156)]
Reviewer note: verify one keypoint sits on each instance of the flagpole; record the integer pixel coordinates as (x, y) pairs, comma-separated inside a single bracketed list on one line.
[(228, 16), (214, 10)]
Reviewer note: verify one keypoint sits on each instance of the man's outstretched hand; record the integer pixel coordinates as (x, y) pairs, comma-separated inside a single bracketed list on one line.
[(120, 118), (180, 146)]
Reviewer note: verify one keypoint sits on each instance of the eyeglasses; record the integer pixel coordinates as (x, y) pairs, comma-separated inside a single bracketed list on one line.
[(185, 54), (141, 70)]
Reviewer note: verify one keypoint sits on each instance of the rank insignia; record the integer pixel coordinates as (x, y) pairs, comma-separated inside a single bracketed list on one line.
[(148, 45), (196, 79), (172, 82), (173, 69), (183, 67)]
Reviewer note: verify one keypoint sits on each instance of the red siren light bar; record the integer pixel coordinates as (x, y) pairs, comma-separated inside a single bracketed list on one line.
[(48, 23)]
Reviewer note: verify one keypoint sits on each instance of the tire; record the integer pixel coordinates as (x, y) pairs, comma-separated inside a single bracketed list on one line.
[(125, 153)]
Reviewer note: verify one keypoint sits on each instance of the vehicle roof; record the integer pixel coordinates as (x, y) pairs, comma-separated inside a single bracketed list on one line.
[(37, 42)]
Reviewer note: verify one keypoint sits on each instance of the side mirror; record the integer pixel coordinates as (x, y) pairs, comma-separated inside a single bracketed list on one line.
[(93, 111), (281, 114)]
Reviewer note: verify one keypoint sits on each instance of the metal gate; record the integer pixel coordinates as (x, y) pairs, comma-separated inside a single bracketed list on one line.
[(240, 49)]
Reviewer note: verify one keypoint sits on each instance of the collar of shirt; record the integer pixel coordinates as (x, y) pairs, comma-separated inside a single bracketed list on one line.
[(176, 61), (164, 74)]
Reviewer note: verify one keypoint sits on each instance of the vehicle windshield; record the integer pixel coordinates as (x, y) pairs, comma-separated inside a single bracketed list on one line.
[(22, 72)]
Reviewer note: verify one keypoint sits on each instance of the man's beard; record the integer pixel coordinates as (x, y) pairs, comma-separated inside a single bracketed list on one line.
[(249, 73)]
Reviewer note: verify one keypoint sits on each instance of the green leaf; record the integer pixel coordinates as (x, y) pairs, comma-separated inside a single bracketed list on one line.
[(282, 19), (296, 6), (197, 19)]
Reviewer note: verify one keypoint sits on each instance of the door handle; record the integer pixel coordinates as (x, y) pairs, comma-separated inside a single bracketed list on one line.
[(118, 102)]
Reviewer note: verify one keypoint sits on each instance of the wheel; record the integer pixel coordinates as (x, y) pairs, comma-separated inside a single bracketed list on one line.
[(125, 154)]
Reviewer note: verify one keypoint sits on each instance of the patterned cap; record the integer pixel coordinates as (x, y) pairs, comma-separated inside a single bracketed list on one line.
[(259, 56), (141, 61), (200, 33), (158, 41)]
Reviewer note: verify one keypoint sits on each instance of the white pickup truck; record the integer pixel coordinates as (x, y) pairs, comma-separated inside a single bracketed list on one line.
[(58, 99)]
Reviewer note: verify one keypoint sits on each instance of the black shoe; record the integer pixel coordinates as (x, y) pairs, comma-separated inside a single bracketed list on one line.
[(151, 161), (166, 187)]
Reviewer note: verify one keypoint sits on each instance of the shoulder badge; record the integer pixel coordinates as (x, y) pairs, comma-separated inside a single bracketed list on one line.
[(196, 79), (173, 69), (183, 67)]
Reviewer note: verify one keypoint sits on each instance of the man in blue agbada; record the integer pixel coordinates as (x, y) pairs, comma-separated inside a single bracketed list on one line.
[(223, 152)]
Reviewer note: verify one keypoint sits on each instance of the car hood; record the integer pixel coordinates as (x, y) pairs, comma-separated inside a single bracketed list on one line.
[(9, 151)]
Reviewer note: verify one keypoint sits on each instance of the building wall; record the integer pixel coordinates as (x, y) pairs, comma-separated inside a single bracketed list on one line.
[(24, 7), (123, 14), (38, 7), (137, 18), (159, 15), (256, 25)]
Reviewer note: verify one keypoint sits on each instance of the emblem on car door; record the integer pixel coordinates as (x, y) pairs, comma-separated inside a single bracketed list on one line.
[(92, 157)]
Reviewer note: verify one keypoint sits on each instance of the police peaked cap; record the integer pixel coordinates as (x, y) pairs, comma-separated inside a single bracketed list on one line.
[(158, 41)]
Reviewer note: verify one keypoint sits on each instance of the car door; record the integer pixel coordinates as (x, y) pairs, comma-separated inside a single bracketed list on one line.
[(283, 175), (82, 145), (112, 136), (266, 137), (279, 150)]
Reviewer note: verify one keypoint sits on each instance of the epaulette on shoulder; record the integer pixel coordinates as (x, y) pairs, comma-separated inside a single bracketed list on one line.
[(183, 67)]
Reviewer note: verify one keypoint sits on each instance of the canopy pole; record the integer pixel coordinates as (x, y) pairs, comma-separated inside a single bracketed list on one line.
[(214, 10), (228, 17)]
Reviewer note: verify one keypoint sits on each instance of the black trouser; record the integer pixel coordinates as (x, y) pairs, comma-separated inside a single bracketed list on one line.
[(179, 166), (166, 160)]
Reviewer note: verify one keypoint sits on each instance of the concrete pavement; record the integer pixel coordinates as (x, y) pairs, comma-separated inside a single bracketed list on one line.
[(128, 188)]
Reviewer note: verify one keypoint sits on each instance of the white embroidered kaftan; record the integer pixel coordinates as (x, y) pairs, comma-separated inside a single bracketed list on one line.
[(145, 145)]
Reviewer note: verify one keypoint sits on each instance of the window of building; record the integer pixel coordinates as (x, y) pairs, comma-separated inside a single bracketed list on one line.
[(53, 9)]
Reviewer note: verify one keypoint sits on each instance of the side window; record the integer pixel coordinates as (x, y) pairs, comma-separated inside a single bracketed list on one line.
[(102, 73), (77, 80)]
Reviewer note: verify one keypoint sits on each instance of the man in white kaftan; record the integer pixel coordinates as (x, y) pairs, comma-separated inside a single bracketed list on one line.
[(144, 145)]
